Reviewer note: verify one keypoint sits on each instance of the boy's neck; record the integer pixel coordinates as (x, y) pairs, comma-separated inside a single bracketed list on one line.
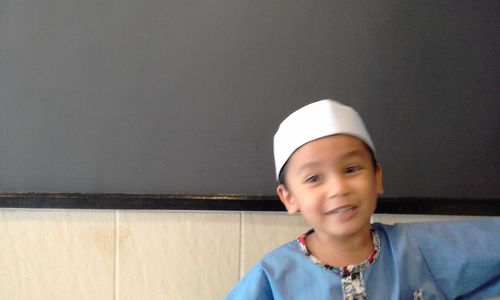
[(341, 252)]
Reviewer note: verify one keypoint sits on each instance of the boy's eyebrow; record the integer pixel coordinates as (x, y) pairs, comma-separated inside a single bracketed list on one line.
[(313, 164), (307, 166), (355, 152)]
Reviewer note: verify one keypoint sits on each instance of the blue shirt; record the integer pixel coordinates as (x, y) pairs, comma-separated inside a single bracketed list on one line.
[(444, 260)]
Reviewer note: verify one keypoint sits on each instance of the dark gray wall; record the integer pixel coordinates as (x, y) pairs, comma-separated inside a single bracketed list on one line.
[(184, 96)]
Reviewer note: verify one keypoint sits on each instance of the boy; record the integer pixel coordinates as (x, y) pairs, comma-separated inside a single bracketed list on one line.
[(327, 170)]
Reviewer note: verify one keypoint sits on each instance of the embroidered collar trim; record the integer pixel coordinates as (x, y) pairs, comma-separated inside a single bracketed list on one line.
[(347, 270)]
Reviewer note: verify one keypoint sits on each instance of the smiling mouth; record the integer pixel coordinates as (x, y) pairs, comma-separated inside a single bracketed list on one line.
[(340, 210)]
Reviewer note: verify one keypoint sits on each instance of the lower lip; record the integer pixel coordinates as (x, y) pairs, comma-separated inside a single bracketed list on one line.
[(344, 216)]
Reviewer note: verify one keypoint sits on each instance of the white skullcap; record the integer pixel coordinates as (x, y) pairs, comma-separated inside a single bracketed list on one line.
[(314, 121)]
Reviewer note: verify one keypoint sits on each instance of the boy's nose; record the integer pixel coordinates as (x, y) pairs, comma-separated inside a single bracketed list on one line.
[(338, 187)]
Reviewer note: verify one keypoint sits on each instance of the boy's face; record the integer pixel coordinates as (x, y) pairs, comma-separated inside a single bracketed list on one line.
[(333, 183)]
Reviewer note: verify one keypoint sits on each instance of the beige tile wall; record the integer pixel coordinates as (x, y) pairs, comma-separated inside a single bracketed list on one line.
[(57, 254), (391, 219), (117, 255), (165, 255)]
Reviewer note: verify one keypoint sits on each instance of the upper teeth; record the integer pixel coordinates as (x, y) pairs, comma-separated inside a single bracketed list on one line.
[(341, 210)]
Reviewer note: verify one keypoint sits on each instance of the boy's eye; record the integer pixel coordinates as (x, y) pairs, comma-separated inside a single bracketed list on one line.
[(312, 179), (352, 169)]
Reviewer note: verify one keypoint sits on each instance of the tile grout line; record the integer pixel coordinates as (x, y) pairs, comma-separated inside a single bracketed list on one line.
[(240, 265), (117, 245)]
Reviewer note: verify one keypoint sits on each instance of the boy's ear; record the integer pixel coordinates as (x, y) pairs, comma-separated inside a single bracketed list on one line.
[(378, 178), (287, 199)]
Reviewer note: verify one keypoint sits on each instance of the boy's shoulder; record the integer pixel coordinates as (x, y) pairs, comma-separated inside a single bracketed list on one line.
[(436, 240), (282, 254), (463, 256)]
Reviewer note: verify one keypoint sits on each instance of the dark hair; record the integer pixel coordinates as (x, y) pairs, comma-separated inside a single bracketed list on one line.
[(281, 176)]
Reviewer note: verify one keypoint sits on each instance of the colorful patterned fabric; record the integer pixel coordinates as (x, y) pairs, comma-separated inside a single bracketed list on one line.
[(353, 286)]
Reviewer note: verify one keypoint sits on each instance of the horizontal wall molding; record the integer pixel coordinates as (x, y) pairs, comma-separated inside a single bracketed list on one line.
[(264, 203)]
